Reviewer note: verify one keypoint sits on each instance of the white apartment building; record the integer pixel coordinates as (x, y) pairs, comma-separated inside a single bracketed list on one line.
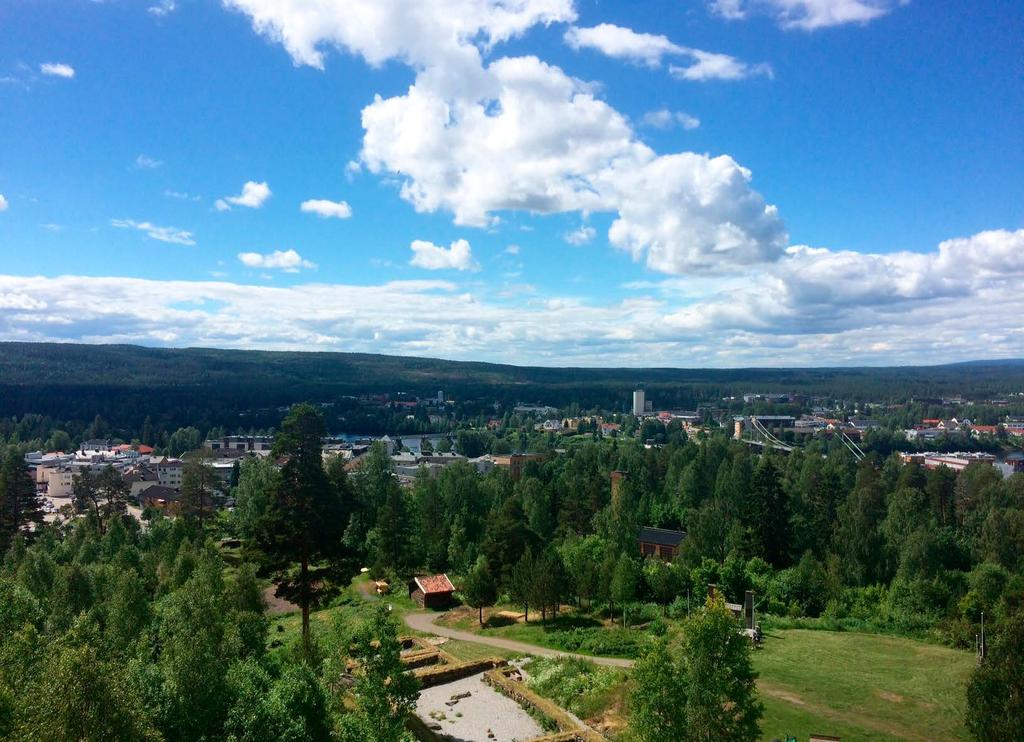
[(639, 402)]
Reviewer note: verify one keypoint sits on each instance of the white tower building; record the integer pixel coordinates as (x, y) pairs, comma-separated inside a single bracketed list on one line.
[(639, 405)]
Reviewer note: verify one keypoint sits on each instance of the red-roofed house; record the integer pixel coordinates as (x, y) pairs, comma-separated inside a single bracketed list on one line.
[(431, 591)]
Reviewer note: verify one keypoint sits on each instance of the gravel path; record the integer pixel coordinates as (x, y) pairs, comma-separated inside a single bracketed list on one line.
[(275, 605), (425, 622), (485, 710)]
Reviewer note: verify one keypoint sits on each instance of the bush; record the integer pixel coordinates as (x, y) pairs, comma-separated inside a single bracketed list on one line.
[(577, 685), (616, 642), (658, 627)]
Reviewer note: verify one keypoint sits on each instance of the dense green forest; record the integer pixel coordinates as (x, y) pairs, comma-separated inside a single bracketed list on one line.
[(238, 389), (149, 616)]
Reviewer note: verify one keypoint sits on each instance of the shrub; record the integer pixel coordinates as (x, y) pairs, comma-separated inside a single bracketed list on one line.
[(577, 685), (616, 642)]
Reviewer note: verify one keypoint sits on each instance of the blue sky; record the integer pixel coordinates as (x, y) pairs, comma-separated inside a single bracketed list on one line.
[(723, 183)]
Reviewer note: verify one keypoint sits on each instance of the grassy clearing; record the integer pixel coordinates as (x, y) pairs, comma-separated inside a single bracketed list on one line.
[(466, 651), (350, 608), (854, 686), (861, 686)]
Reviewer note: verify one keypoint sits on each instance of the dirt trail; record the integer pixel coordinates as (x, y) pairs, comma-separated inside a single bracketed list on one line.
[(425, 622)]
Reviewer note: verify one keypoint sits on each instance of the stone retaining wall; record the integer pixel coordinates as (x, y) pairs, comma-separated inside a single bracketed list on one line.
[(440, 674), (570, 730)]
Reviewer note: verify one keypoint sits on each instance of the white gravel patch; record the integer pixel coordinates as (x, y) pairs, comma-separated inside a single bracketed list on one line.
[(485, 710)]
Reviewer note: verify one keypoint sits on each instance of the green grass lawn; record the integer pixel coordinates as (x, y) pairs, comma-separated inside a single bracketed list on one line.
[(860, 686), (466, 651), (853, 686), (351, 609)]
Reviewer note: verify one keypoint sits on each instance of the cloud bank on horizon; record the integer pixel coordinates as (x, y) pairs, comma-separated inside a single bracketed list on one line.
[(477, 138), (800, 310)]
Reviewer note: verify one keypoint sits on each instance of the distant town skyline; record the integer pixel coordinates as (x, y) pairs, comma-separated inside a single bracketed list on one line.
[(709, 183)]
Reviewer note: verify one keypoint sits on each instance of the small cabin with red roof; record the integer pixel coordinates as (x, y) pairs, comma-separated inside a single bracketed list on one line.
[(431, 591)]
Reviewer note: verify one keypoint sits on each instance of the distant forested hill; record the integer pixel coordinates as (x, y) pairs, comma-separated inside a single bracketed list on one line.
[(125, 383)]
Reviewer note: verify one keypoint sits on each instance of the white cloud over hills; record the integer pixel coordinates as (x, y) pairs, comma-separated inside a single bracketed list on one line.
[(814, 307)]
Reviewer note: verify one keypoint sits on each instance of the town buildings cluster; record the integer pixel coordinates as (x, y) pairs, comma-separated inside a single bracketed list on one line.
[(155, 479)]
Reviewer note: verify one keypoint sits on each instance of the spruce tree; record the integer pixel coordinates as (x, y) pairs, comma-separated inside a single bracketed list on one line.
[(480, 589), (20, 506), (303, 521)]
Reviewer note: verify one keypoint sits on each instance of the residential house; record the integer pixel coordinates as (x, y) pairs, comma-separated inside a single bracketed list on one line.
[(140, 478), (160, 497), (659, 542)]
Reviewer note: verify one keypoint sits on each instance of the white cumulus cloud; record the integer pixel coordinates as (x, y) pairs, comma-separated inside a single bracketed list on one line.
[(57, 69), (418, 33), (459, 256), (807, 14), (3, 203), (144, 162), (327, 209), (581, 236), (162, 8), (625, 43), (163, 234), (253, 196), (286, 260), (711, 66), (665, 119), (542, 142), (518, 134)]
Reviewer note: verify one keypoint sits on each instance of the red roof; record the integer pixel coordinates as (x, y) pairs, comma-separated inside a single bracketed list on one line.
[(145, 449), (985, 428), (435, 584)]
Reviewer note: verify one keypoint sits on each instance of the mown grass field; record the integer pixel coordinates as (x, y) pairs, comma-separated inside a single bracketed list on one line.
[(860, 686)]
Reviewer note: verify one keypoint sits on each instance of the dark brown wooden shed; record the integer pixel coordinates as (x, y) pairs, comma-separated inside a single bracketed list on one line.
[(431, 591)]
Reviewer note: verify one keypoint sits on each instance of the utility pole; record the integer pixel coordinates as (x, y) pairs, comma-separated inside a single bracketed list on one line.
[(984, 647)]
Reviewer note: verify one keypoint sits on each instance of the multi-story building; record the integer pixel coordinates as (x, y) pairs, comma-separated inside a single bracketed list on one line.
[(639, 402), (169, 473), (248, 443)]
